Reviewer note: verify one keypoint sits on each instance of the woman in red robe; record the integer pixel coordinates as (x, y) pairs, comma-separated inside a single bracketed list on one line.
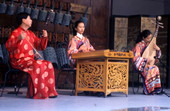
[(20, 46)]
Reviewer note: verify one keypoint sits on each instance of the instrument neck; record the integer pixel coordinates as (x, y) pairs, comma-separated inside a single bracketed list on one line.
[(156, 31)]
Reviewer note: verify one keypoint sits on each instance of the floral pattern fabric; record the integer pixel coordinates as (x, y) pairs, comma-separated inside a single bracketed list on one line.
[(42, 80), (150, 73), (76, 43)]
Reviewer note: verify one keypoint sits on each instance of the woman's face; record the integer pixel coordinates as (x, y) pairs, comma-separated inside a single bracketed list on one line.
[(80, 28), (148, 38), (27, 21)]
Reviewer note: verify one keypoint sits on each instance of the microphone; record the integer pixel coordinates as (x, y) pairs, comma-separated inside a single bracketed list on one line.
[(49, 16)]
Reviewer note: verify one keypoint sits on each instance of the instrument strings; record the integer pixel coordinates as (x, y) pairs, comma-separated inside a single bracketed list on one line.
[(34, 48)]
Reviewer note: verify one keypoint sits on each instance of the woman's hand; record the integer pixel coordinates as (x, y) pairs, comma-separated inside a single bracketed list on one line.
[(83, 48), (156, 47), (91, 49), (22, 36), (36, 56), (45, 34), (150, 60)]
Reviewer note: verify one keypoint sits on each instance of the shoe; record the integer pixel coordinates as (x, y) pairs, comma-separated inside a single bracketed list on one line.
[(148, 93), (109, 95), (53, 96), (160, 92), (99, 94), (144, 92), (87, 93)]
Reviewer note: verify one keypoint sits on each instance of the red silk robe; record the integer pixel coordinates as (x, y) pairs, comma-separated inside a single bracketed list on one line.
[(42, 80), (150, 73)]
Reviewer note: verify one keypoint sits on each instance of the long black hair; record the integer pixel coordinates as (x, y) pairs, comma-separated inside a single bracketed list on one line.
[(75, 26), (21, 16), (143, 35)]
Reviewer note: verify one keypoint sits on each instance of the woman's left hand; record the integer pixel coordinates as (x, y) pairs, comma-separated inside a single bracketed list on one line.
[(45, 34), (156, 47)]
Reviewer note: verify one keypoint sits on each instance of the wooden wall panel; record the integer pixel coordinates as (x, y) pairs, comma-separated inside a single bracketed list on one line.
[(99, 23), (48, 3), (96, 29), (83, 2), (69, 1), (134, 23)]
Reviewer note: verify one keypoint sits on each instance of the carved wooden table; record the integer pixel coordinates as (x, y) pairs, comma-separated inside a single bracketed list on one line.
[(102, 71)]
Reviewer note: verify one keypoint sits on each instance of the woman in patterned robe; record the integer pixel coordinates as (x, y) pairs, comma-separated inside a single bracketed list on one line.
[(20, 47), (79, 43), (150, 73)]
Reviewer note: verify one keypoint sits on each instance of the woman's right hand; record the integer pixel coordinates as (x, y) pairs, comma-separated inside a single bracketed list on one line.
[(150, 60), (83, 48), (22, 36)]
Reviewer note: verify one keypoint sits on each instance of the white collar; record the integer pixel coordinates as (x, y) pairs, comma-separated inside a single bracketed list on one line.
[(79, 35)]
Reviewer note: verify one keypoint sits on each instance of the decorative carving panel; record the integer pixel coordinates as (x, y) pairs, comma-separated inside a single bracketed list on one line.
[(117, 76), (91, 75), (102, 75)]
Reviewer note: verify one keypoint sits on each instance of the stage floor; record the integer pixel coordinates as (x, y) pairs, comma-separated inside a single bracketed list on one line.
[(65, 102)]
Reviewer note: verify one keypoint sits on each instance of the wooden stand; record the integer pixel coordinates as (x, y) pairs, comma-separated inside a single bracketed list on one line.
[(102, 71)]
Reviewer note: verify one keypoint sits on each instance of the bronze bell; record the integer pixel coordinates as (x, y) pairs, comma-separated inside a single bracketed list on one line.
[(58, 16), (62, 56), (10, 8), (84, 18), (42, 14), (28, 9), (3, 7), (50, 55), (66, 19), (35, 11), (20, 8), (50, 15)]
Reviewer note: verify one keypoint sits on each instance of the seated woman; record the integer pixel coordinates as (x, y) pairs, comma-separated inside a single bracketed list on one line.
[(20, 46), (79, 43), (150, 73)]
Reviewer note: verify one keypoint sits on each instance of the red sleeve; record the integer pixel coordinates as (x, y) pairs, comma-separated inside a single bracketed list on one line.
[(40, 43), (13, 44)]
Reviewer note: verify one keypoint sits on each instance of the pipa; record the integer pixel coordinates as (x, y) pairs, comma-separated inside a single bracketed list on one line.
[(150, 51)]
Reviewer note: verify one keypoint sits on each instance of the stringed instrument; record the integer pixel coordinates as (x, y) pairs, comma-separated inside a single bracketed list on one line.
[(150, 51)]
